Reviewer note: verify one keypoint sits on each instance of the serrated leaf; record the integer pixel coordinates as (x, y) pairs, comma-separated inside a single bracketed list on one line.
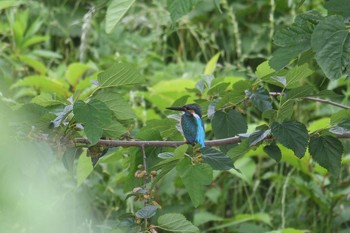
[(261, 99), (331, 42), (75, 72), (176, 223), (239, 150), (327, 151), (195, 179), (273, 151), (115, 12), (341, 7), (291, 134), (300, 92), (179, 8), (211, 65), (114, 130), (228, 124), (263, 70), (94, 116), (84, 168), (296, 74), (218, 89), (282, 56), (258, 136), (340, 116), (285, 110), (216, 159), (293, 39), (115, 102), (146, 212), (119, 74)]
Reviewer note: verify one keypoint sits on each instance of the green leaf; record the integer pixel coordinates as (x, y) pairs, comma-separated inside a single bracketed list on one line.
[(340, 116), (330, 40), (258, 136), (204, 217), (115, 12), (261, 99), (211, 65), (6, 4), (75, 72), (94, 116), (285, 110), (176, 223), (341, 7), (282, 56), (114, 130), (239, 150), (195, 178), (300, 92), (228, 124), (115, 102), (273, 151), (146, 212), (216, 159), (179, 8), (291, 134), (43, 83), (263, 70), (296, 74), (327, 151), (84, 168), (120, 74), (34, 63), (293, 39)]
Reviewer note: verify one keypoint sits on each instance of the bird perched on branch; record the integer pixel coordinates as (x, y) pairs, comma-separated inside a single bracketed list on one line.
[(191, 123)]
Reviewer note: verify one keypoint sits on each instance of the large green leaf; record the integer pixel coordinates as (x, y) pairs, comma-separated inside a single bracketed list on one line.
[(216, 159), (258, 136), (297, 74), (261, 99), (34, 63), (300, 92), (341, 7), (273, 151), (327, 151), (228, 124), (331, 42), (179, 8), (293, 39), (115, 12), (94, 116), (115, 102), (84, 168), (75, 72), (176, 223), (291, 134), (211, 65), (44, 84), (118, 75), (195, 178), (285, 110)]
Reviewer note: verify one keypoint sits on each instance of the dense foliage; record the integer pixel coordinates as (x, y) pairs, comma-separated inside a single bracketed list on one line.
[(273, 75)]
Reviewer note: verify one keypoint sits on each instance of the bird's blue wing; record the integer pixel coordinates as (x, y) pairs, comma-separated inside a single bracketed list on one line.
[(189, 127)]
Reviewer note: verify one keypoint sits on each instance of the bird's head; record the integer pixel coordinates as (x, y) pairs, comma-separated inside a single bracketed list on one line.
[(190, 108)]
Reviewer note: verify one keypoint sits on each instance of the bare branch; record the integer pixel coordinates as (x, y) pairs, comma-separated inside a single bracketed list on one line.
[(115, 143), (316, 99), (218, 142)]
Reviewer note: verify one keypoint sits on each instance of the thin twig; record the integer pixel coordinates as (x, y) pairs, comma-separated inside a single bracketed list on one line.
[(316, 99)]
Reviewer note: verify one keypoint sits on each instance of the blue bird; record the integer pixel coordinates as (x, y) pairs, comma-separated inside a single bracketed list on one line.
[(191, 123)]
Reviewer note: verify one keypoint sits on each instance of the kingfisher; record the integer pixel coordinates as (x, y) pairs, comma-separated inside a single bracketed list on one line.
[(191, 123)]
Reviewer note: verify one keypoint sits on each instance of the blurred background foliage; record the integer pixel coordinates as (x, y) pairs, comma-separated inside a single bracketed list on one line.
[(50, 51)]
